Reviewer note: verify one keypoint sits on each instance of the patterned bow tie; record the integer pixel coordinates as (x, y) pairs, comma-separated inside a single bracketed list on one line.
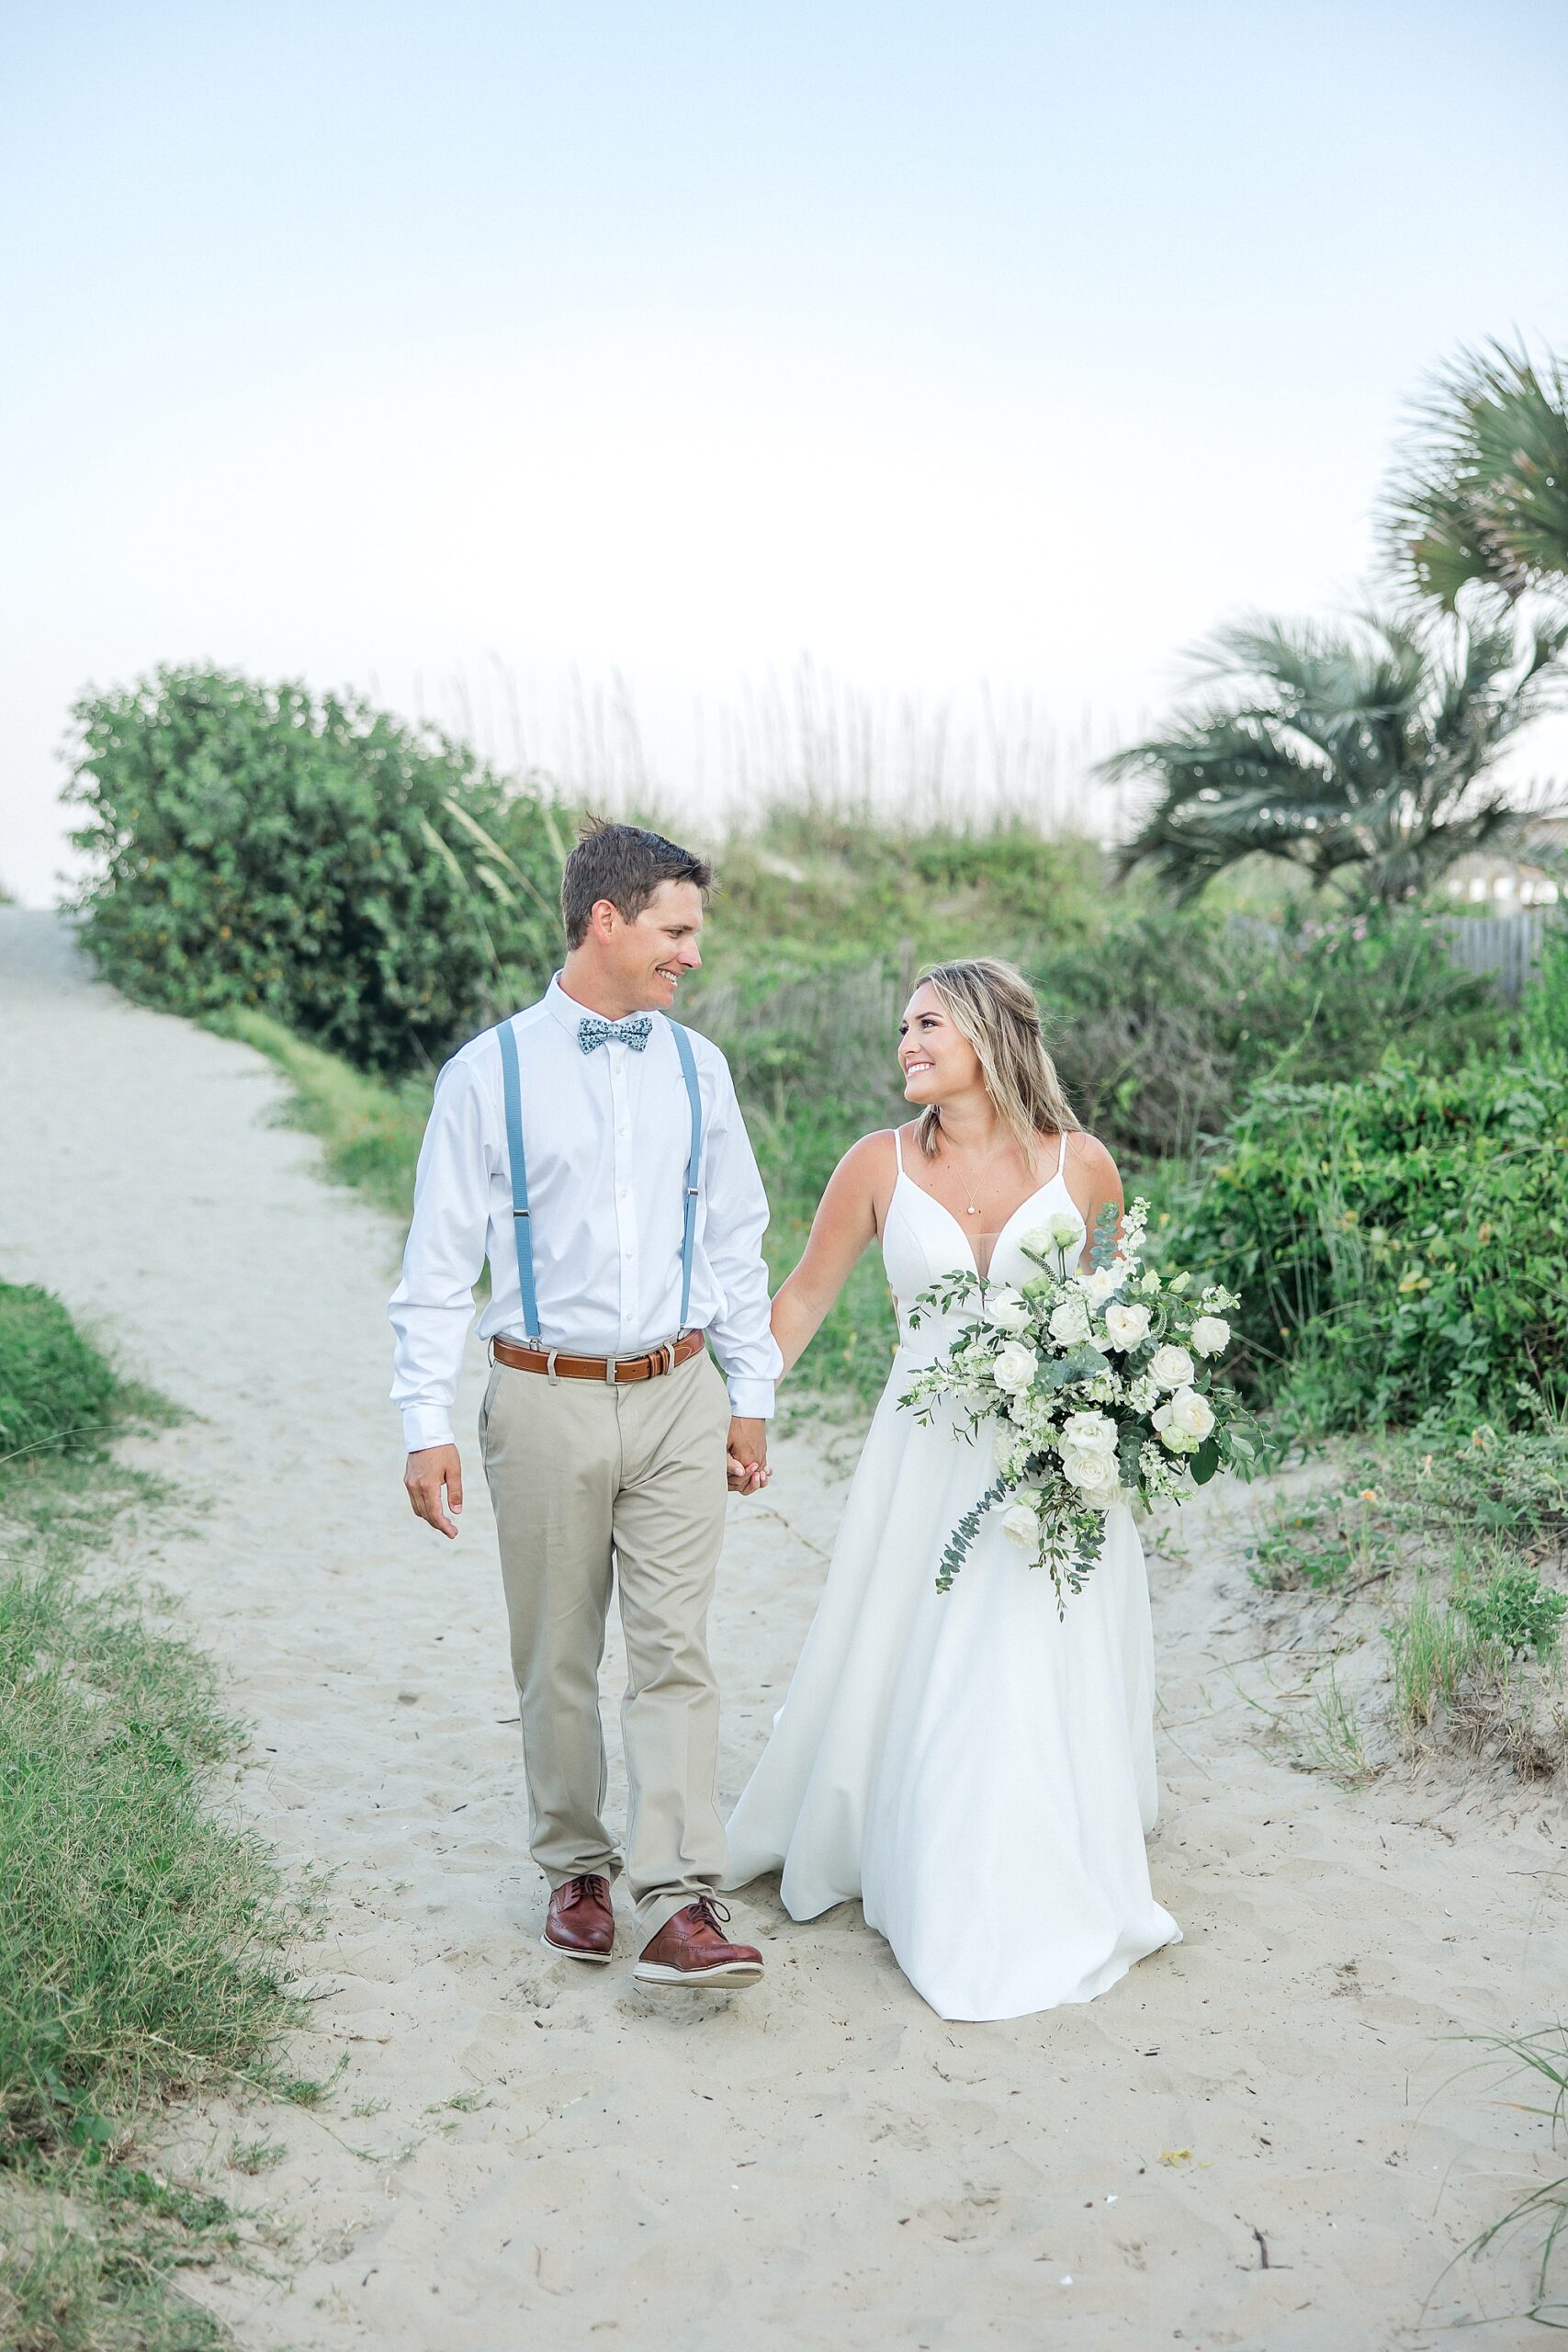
[(634, 1031)]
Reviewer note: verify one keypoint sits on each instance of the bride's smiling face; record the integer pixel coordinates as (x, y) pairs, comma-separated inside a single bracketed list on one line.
[(936, 1058)]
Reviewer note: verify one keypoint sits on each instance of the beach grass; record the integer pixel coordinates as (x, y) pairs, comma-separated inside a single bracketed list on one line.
[(142, 1928), (1542, 2212), (1433, 1648)]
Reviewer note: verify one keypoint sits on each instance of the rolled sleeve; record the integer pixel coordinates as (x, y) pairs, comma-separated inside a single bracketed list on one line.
[(751, 1400)]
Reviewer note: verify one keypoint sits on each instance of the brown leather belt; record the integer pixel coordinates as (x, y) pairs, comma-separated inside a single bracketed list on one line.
[(557, 1366)]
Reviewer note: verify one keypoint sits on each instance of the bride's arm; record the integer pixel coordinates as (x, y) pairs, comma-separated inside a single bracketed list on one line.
[(844, 1224)]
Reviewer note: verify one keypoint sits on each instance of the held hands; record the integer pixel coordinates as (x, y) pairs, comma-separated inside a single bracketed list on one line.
[(747, 1468), (435, 1471)]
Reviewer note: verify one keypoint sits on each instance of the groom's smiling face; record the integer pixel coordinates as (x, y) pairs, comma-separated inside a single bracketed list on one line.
[(650, 956)]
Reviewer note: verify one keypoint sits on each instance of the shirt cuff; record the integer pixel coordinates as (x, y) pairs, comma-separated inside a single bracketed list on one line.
[(751, 1400), (426, 1425)]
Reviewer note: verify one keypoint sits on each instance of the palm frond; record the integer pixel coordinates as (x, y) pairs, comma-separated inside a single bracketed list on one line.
[(1482, 492), (1360, 746)]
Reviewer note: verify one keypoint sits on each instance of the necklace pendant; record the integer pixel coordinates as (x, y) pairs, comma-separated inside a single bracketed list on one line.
[(972, 1210)]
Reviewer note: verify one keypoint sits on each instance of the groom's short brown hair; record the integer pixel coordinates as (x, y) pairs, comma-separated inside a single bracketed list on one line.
[(625, 864)]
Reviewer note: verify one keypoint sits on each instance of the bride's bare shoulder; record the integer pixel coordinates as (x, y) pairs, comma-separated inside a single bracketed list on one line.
[(868, 1170), (1089, 1156), (872, 1162)]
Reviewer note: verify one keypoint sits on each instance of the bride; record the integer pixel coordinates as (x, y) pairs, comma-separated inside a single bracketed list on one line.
[(978, 1771)]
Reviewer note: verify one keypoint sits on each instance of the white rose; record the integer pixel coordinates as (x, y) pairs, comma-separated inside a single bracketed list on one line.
[(1064, 1229), (1211, 1335), (1070, 1322), (1095, 1475), (1103, 1281), (1170, 1367), (1089, 1433), (1184, 1420), (1014, 1366), (1020, 1522), (1126, 1327), (1006, 1309)]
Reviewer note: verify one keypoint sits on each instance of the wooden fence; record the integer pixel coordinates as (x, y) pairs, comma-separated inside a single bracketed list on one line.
[(1507, 947)]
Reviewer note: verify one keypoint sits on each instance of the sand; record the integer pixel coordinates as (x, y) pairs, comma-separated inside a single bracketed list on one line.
[(1259, 2138)]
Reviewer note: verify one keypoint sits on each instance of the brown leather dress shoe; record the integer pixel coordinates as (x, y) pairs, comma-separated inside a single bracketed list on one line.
[(581, 1925), (689, 1950)]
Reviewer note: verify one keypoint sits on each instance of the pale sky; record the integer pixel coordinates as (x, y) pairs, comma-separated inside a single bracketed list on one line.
[(1001, 343)]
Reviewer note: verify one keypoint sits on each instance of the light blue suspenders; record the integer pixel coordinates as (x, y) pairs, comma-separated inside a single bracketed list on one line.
[(512, 1087)]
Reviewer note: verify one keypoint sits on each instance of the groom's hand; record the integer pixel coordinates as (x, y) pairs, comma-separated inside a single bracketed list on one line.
[(748, 1464), (426, 1475)]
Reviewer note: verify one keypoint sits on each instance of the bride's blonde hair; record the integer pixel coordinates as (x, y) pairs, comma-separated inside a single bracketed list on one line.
[(993, 1005)]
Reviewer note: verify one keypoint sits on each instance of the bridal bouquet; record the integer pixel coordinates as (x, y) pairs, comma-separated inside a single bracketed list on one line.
[(1101, 1386)]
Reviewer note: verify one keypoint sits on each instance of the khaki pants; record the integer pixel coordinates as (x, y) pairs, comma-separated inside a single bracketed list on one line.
[(581, 1474)]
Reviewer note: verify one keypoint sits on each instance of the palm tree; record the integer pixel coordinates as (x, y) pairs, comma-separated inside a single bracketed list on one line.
[(1357, 751), (1482, 493)]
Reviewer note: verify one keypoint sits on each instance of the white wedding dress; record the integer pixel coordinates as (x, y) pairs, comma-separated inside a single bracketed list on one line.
[(978, 1771)]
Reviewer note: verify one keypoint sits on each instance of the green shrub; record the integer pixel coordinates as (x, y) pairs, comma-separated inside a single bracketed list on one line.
[(1162, 1023), (1545, 1004), (1400, 1242), (1507, 1483), (368, 884), (1512, 1608)]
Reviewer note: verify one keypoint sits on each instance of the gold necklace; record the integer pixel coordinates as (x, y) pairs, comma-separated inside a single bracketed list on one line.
[(971, 1188)]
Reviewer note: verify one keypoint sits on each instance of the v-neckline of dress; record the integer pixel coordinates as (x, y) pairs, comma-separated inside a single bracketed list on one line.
[(981, 1274)]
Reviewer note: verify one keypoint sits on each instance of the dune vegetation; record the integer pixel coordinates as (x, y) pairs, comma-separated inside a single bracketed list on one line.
[(141, 1930)]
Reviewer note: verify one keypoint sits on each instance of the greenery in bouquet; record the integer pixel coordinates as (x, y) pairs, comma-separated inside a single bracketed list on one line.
[(1100, 1384)]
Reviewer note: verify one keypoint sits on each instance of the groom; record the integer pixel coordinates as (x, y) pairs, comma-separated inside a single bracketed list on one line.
[(594, 1151)]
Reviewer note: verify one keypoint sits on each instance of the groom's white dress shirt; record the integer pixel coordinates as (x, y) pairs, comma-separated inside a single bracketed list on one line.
[(607, 1136)]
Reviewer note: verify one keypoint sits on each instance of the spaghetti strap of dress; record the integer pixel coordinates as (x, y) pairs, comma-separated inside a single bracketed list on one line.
[(1061, 1155), (898, 1149)]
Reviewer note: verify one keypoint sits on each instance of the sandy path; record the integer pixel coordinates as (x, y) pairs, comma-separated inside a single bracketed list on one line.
[(821, 2160)]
